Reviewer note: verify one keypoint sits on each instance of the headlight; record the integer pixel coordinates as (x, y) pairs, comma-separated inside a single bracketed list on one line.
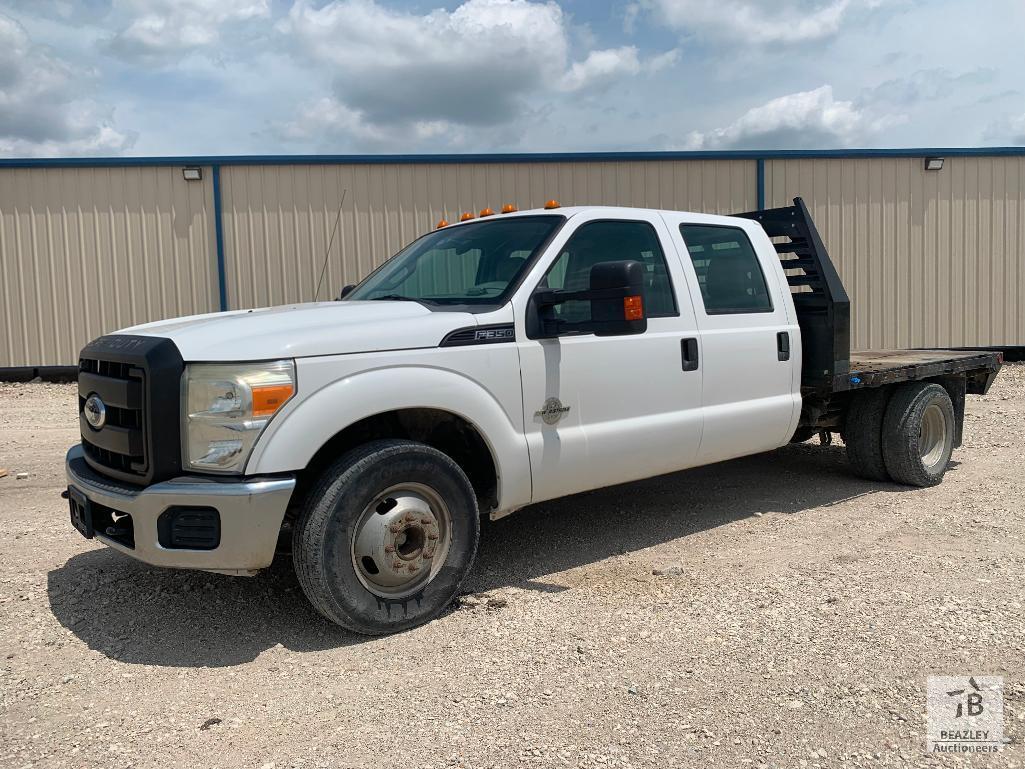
[(227, 406)]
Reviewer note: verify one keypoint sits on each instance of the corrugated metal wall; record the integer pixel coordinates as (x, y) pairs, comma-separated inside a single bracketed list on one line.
[(278, 220), (85, 251), (929, 258)]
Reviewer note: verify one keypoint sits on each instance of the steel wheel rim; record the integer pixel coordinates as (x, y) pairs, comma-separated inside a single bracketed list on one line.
[(932, 440), (401, 540)]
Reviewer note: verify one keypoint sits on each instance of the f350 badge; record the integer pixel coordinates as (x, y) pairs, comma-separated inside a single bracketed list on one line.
[(552, 411)]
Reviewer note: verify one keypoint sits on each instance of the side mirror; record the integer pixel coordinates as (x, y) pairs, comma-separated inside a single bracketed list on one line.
[(617, 303), (616, 295), (346, 290)]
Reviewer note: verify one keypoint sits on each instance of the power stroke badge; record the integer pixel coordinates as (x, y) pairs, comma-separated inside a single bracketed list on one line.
[(552, 411)]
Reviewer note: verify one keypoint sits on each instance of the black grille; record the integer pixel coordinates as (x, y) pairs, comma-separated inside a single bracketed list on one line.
[(137, 379), (121, 443)]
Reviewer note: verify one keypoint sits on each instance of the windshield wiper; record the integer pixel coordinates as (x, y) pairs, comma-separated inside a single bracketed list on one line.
[(398, 298)]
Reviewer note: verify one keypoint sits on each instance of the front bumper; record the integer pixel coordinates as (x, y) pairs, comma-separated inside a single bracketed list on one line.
[(250, 515)]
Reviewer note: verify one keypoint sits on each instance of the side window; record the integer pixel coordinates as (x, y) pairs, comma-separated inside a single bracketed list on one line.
[(729, 275), (612, 241)]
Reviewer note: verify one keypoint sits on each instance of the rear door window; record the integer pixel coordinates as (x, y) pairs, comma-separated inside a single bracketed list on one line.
[(727, 268)]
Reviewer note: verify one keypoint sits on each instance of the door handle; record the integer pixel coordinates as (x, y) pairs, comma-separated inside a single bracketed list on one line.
[(689, 350), (783, 345)]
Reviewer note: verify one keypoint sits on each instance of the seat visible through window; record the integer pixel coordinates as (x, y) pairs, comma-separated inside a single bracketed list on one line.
[(727, 269), (610, 241)]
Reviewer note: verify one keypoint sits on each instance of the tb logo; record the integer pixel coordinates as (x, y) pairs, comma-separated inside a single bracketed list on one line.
[(972, 703)]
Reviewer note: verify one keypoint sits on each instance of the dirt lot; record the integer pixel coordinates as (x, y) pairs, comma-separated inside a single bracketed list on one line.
[(769, 611)]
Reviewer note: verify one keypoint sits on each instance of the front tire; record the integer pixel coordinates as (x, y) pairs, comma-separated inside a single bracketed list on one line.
[(918, 434), (386, 537)]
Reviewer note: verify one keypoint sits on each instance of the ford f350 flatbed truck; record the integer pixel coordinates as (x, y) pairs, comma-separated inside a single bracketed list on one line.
[(501, 361)]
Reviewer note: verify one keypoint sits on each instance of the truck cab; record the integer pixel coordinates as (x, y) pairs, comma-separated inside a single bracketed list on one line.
[(500, 361)]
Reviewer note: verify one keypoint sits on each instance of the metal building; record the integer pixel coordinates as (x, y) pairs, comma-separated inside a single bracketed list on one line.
[(87, 246)]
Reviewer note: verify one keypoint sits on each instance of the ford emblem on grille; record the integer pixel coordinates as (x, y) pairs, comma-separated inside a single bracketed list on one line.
[(95, 412)]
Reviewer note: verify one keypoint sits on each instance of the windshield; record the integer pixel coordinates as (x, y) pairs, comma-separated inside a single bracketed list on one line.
[(469, 264)]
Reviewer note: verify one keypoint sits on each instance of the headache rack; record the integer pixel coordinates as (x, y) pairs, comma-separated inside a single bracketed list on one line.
[(823, 307)]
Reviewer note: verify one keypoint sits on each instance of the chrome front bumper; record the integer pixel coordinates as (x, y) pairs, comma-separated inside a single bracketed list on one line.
[(250, 514)]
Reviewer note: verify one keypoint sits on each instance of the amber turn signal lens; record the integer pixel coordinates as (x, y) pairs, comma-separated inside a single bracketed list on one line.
[(441, 223), (486, 212), (508, 208), (633, 308), (466, 217), (552, 204), (269, 398)]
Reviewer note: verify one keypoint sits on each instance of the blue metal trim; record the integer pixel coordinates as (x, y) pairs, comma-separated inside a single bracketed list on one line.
[(222, 278), (760, 183), (520, 157)]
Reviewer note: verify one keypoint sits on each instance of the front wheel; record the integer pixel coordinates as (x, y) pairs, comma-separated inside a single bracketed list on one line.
[(386, 537)]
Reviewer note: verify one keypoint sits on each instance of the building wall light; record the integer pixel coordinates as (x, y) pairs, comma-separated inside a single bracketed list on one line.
[(193, 174), (934, 164)]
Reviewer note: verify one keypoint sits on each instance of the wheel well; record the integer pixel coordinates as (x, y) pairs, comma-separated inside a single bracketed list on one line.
[(443, 430)]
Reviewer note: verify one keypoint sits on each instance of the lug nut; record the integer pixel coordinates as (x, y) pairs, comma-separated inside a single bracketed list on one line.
[(426, 521), (397, 565), (395, 528), (432, 535), (389, 548)]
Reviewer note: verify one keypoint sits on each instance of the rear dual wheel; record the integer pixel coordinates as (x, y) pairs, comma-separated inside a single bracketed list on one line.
[(386, 537), (918, 434), (903, 433)]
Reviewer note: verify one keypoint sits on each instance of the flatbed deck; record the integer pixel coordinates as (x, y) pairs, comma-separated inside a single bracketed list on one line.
[(875, 368)]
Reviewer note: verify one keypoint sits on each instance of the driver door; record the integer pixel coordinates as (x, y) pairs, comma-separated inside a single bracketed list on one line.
[(610, 409)]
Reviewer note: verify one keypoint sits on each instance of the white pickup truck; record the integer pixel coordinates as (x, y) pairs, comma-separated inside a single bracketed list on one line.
[(501, 361)]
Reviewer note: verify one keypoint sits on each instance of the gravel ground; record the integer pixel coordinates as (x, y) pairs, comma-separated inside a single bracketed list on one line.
[(767, 611)]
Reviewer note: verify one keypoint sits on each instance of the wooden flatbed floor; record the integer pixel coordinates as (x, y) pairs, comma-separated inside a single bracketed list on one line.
[(873, 368)]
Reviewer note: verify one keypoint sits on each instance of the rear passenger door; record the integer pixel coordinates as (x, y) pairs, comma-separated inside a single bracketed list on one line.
[(750, 345)]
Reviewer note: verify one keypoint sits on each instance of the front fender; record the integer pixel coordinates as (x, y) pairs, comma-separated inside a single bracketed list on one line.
[(292, 438)]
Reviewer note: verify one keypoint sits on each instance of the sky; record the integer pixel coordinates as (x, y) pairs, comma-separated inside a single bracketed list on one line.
[(220, 77)]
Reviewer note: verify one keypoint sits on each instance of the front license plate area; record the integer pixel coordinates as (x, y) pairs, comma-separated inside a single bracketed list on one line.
[(81, 512)]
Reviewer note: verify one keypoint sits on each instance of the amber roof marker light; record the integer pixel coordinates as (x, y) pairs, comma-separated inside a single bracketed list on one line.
[(553, 203), (486, 212), (509, 208), (467, 216), (441, 223)]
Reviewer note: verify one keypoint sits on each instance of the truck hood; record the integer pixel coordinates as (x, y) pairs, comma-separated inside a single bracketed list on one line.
[(304, 330)]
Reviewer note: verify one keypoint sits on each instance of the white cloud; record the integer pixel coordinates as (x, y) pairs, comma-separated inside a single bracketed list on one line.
[(934, 85), (803, 120), (753, 21), (605, 66), (483, 66), (327, 121), (473, 65), (1009, 130), (158, 32), (1017, 132), (42, 107)]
